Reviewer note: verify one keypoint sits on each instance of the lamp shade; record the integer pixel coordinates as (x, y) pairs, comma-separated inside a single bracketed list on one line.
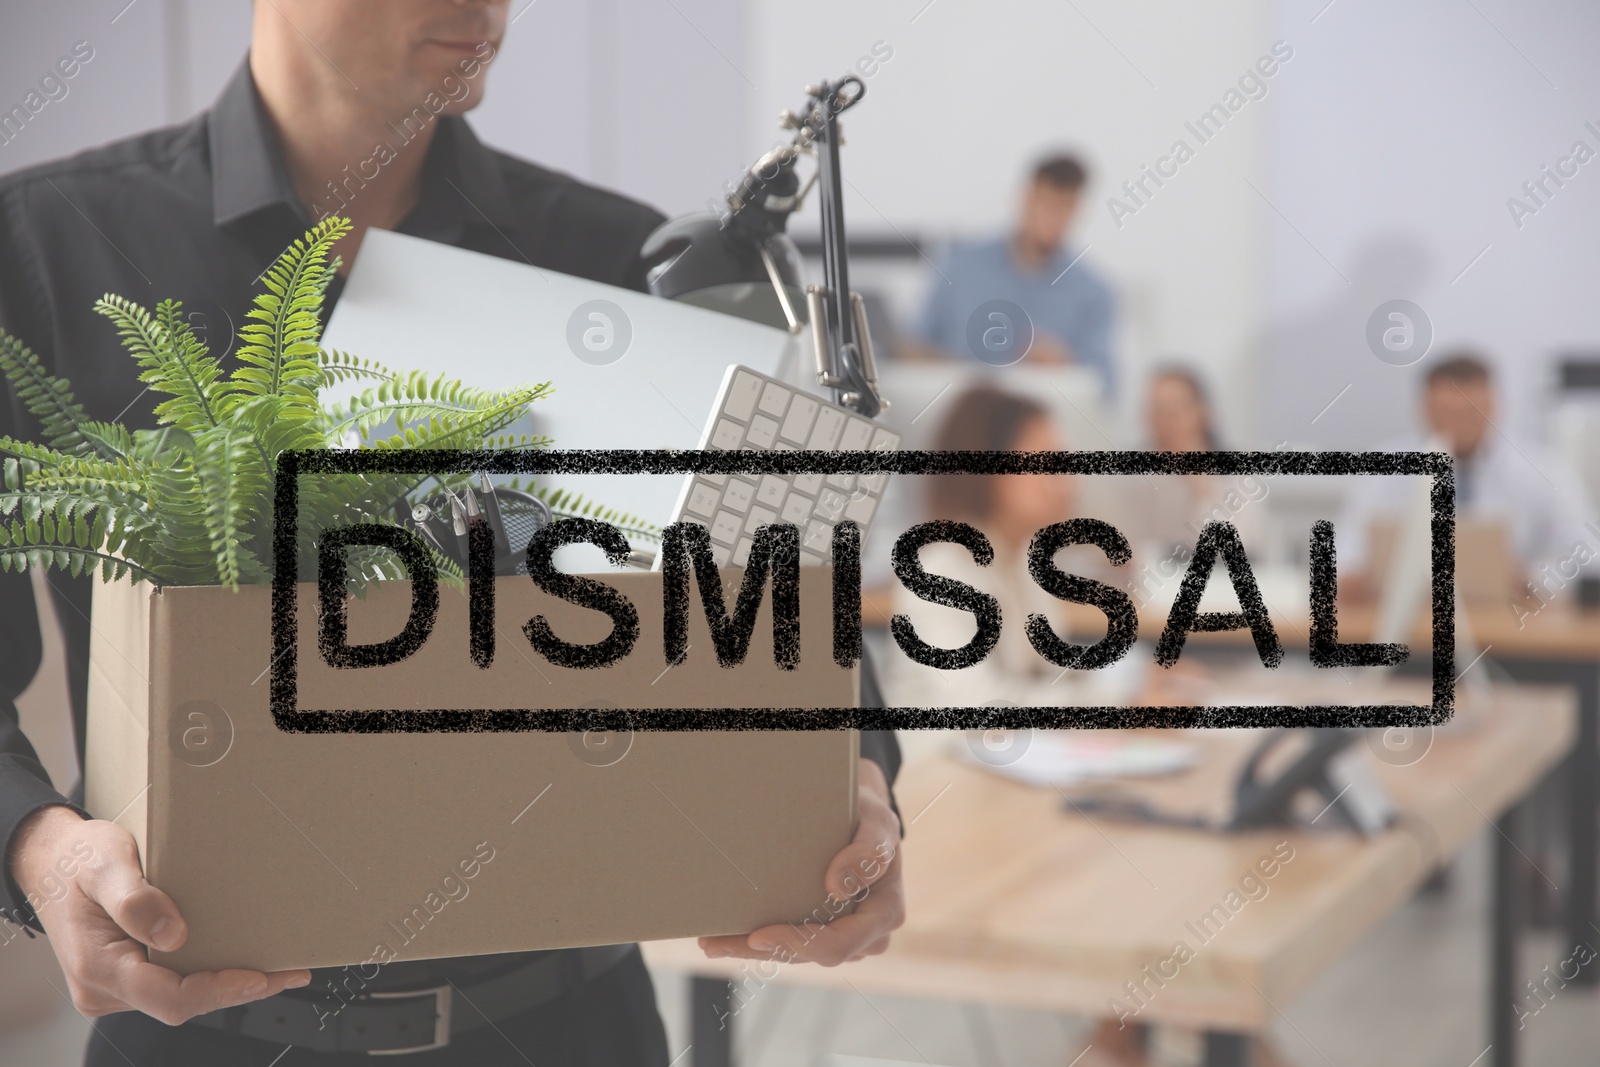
[(697, 259)]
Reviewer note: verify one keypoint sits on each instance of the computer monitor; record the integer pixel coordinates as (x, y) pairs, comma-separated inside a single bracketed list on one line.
[(629, 370)]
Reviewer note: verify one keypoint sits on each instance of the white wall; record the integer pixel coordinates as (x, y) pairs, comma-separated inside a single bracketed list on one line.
[(636, 96), (124, 88), (1393, 151)]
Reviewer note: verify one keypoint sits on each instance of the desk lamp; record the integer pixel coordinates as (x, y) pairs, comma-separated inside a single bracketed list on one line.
[(743, 263)]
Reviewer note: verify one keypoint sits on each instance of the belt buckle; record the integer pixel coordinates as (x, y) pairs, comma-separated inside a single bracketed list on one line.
[(442, 996)]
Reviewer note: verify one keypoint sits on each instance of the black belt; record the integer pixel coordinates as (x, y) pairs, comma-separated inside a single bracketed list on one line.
[(398, 1021)]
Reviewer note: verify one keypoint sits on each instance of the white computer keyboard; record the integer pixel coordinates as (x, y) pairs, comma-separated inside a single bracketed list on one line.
[(755, 411)]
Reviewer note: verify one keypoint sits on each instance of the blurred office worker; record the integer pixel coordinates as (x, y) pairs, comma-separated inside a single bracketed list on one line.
[(1008, 509), (1177, 409), (1514, 499), (1164, 516), (1071, 309), (196, 212)]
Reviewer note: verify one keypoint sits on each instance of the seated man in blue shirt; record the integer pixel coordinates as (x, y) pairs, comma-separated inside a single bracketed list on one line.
[(972, 304)]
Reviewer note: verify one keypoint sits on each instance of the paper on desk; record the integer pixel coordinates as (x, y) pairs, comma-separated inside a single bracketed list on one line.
[(1062, 757), (413, 304)]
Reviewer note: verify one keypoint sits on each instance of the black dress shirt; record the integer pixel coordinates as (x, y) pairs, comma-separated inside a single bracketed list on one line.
[(196, 212)]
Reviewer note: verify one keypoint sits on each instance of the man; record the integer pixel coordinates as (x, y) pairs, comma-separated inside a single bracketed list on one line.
[(1071, 310), (1526, 490), (350, 107)]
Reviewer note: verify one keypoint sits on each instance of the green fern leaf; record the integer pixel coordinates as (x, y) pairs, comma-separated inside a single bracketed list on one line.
[(343, 367), (171, 359), (231, 479), (278, 350), (47, 397)]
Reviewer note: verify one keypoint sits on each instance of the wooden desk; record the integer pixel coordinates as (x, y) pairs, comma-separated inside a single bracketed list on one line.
[(1560, 645), (1013, 900), (1560, 631)]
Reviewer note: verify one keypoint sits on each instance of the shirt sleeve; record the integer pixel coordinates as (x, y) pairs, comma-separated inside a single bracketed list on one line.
[(1350, 534), (1562, 511), (1368, 500), (932, 325), (25, 787), (1094, 340), (636, 273), (879, 746)]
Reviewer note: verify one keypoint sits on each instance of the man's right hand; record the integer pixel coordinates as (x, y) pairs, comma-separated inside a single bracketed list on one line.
[(83, 879), (1048, 350)]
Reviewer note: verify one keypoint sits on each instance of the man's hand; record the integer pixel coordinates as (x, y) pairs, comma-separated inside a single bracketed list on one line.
[(83, 880), (1050, 351), (1357, 587), (867, 871)]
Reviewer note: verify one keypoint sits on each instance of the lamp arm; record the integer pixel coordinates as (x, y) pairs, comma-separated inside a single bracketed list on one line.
[(845, 362), (745, 243)]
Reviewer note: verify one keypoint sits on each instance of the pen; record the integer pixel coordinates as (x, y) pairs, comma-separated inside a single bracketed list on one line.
[(459, 523), (497, 521)]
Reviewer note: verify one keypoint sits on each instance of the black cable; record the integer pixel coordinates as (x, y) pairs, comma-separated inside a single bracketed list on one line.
[(1129, 810)]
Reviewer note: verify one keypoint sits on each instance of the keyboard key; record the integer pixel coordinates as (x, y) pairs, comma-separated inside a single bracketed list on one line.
[(860, 509), (825, 433), (727, 435), (772, 491), (830, 505), (725, 528), (797, 509), (763, 431), (797, 424), (774, 399), (759, 517), (857, 432), (742, 395), (756, 412), (703, 499), (818, 537), (738, 495)]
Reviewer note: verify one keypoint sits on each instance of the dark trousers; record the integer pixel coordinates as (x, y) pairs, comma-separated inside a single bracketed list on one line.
[(609, 1022)]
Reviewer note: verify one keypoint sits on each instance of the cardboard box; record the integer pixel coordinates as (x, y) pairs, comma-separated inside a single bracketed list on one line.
[(314, 850)]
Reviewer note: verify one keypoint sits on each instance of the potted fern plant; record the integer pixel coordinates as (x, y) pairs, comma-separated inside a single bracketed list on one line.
[(190, 502)]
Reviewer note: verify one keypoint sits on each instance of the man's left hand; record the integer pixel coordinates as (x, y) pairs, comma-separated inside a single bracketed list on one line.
[(1048, 350), (868, 871)]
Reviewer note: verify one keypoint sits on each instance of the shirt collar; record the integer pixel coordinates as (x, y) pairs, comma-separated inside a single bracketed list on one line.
[(1064, 256), (461, 181), (247, 169), (1005, 249), (462, 186)]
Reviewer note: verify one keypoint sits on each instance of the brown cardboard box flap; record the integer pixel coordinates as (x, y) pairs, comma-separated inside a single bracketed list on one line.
[(295, 850)]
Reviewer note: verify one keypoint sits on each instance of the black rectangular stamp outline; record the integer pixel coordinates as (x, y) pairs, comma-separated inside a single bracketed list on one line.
[(289, 717)]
